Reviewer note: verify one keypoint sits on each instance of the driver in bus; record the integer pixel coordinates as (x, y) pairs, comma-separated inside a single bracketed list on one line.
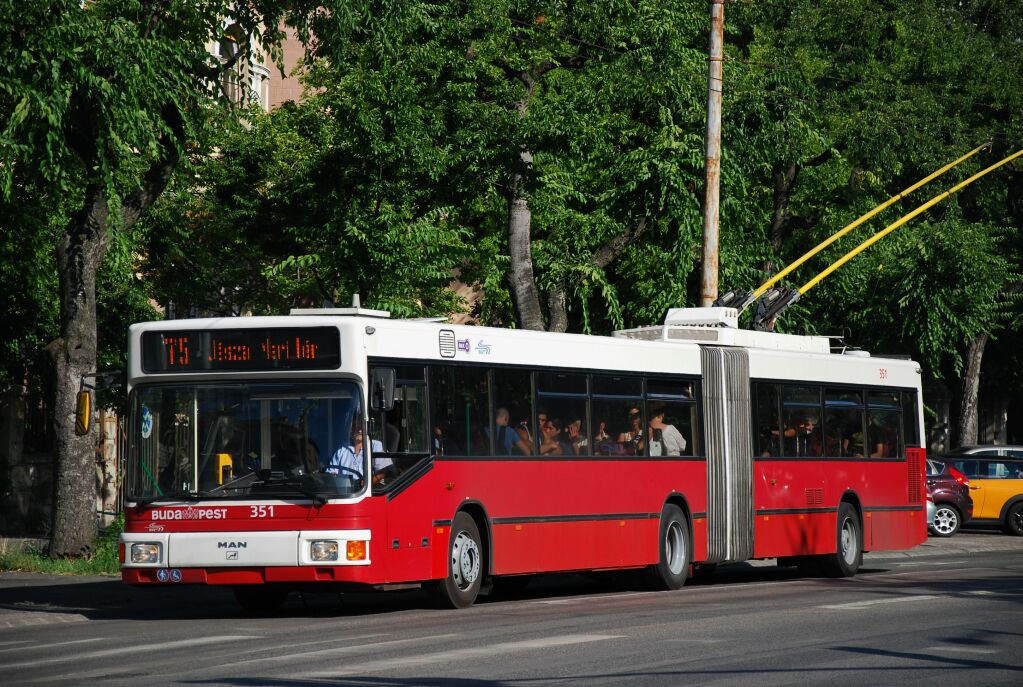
[(348, 458)]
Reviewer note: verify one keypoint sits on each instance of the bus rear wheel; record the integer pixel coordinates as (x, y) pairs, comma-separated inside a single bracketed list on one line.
[(259, 599), (465, 566), (672, 566), (849, 545)]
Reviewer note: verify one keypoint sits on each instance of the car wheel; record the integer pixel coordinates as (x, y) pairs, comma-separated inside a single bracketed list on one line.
[(1014, 520), (946, 521)]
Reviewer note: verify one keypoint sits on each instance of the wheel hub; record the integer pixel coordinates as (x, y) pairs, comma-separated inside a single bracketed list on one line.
[(465, 561)]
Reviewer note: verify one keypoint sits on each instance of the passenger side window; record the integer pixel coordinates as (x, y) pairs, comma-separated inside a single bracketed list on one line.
[(801, 408), (883, 424), (671, 417), (843, 423), (561, 399), (768, 440), (402, 432), (617, 404), (460, 411), (513, 399)]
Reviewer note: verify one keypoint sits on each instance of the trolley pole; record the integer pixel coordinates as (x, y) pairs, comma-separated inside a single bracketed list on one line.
[(709, 281)]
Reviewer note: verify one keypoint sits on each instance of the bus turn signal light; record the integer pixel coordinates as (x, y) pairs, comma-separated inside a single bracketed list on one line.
[(356, 550)]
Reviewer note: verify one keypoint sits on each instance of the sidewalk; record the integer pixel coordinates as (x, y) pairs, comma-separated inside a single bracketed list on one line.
[(965, 541)]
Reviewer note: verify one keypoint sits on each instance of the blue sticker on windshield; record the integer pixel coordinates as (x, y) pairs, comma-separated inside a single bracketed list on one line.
[(147, 422)]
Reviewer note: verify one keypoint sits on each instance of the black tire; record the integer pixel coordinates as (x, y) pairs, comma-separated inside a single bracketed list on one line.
[(259, 599), (1014, 520), (848, 545), (465, 566), (947, 520), (672, 567)]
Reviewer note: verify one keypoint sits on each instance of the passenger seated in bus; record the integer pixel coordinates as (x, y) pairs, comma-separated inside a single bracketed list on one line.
[(884, 437), (574, 438), (506, 440), (853, 445), (552, 444), (804, 438), (672, 443), (632, 440), (348, 458), (440, 444), (525, 442)]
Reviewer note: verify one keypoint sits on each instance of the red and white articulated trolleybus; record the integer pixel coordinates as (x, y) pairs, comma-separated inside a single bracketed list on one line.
[(494, 454)]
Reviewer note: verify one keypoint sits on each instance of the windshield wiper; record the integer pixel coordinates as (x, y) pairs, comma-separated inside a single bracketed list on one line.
[(142, 504), (299, 484)]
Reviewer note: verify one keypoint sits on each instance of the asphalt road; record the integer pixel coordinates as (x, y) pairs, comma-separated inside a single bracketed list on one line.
[(948, 612)]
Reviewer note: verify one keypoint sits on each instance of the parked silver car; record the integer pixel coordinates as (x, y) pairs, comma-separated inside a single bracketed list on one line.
[(1011, 451)]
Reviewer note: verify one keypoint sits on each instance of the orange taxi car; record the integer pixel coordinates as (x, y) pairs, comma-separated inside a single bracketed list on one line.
[(996, 485)]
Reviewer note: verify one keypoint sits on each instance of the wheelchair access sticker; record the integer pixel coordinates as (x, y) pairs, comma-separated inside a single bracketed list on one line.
[(147, 422)]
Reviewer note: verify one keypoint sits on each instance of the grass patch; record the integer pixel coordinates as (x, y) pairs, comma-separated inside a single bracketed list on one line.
[(102, 561)]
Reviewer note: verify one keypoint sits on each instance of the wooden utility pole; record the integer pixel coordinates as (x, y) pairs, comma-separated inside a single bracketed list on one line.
[(709, 281)]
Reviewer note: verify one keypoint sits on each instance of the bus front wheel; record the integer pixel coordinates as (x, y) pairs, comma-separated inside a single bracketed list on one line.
[(672, 566), (465, 565)]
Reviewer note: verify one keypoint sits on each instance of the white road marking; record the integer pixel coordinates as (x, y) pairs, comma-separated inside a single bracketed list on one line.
[(929, 564), (137, 649), (960, 649), (50, 645), (336, 650), (29, 618), (263, 658), (858, 605), (455, 655)]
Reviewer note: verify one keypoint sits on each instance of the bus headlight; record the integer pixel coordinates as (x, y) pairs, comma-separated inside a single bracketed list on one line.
[(145, 553), (323, 551)]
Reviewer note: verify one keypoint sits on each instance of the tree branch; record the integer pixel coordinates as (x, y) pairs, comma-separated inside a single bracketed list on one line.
[(159, 174)]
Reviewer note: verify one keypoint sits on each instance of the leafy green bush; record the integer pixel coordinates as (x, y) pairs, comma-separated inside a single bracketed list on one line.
[(103, 560)]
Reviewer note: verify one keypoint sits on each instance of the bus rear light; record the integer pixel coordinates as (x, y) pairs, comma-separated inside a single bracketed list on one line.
[(145, 553), (323, 551), (357, 550)]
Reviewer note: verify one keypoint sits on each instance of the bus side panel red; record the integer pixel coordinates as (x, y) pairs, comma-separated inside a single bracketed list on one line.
[(565, 516)]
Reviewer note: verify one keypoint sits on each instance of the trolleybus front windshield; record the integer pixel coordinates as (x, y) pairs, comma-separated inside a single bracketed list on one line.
[(288, 440)]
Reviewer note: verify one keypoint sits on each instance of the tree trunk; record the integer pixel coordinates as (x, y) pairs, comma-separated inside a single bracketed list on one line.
[(556, 308), (966, 428), (79, 255), (521, 278)]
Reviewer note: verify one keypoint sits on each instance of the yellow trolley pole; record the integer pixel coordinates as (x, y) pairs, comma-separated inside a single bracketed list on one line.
[(863, 218), (898, 223)]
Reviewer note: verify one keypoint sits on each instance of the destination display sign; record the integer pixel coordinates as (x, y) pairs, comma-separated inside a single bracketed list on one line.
[(278, 348)]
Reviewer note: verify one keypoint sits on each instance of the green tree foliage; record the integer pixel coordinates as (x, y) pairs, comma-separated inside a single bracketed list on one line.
[(99, 101), (558, 134)]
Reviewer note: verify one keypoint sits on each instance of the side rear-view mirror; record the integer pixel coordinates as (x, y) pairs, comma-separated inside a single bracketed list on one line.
[(83, 412)]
